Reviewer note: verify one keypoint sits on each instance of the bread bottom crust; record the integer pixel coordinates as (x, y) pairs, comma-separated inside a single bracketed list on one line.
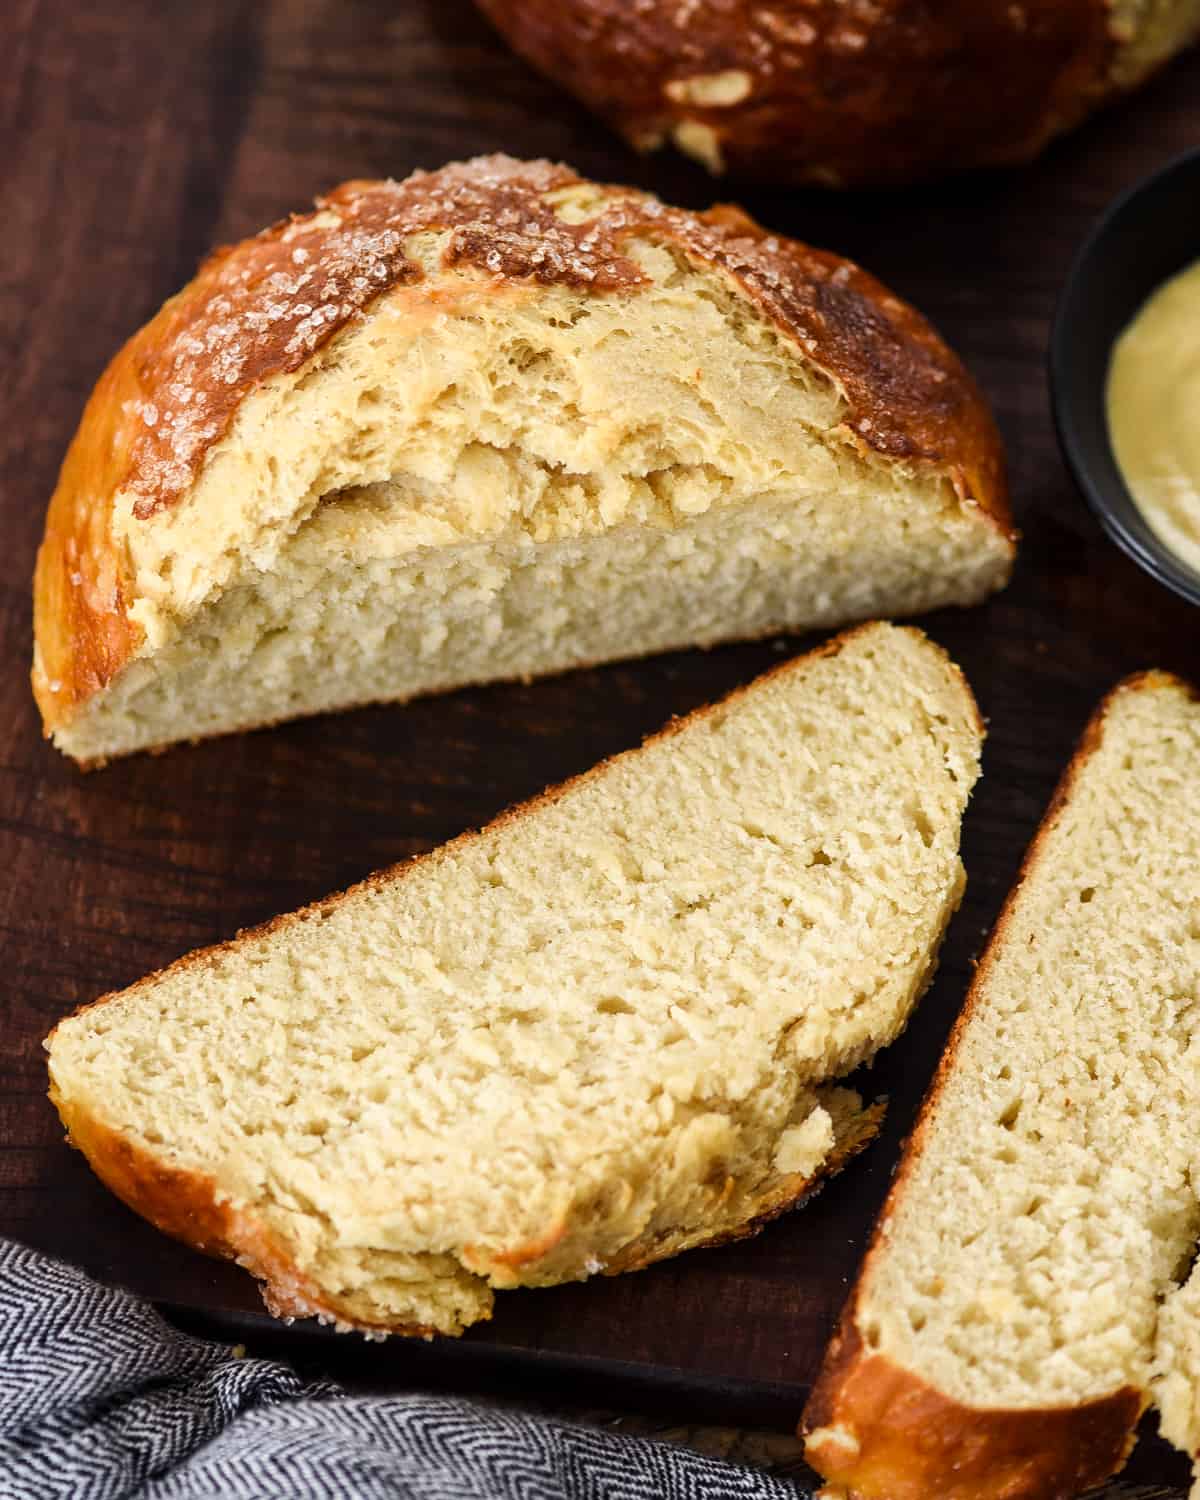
[(184, 1205), (878, 1432)]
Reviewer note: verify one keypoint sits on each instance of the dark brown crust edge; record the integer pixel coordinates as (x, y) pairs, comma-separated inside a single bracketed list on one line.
[(834, 94), (912, 1441), (184, 1204)]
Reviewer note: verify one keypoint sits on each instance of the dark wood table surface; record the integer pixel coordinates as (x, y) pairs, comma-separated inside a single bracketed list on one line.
[(136, 136)]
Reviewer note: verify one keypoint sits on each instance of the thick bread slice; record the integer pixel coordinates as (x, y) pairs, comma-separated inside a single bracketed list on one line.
[(600, 1031), (1000, 1341), (493, 422)]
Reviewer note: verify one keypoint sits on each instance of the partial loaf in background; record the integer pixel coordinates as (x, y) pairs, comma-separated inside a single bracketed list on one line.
[(601, 1031), (491, 422), (843, 92), (1019, 1305)]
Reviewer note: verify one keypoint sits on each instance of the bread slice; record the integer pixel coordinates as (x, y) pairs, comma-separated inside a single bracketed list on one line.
[(598, 1032), (1000, 1341), (493, 422)]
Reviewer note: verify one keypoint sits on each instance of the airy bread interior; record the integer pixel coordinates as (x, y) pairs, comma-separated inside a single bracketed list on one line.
[(483, 481), (1051, 1203), (596, 1032)]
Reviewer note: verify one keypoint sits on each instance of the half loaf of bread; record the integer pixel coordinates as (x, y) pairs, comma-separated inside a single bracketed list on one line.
[(492, 422), (598, 1032), (1005, 1332)]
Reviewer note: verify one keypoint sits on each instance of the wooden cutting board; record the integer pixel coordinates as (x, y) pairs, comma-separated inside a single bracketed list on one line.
[(140, 135)]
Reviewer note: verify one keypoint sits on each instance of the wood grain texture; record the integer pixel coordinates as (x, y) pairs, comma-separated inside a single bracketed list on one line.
[(136, 137)]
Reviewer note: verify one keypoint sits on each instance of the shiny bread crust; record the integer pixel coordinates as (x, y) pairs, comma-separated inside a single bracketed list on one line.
[(824, 91), (269, 305), (877, 1431)]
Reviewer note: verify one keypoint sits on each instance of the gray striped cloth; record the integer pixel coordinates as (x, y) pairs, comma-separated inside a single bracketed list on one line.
[(101, 1399)]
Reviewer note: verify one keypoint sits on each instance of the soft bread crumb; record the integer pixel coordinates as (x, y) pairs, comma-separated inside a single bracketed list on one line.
[(597, 1032), (485, 479), (804, 1147)]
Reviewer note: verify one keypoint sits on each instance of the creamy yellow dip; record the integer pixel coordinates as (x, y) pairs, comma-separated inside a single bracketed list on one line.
[(1154, 412)]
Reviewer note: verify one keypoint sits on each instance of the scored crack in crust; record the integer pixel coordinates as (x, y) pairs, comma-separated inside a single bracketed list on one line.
[(269, 306)]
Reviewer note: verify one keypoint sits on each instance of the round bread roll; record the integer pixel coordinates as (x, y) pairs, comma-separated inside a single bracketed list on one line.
[(492, 422), (846, 91)]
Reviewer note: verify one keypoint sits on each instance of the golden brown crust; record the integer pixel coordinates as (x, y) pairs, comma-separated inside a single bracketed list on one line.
[(82, 588), (183, 1203), (908, 1440), (833, 91), (268, 305), (914, 1443)]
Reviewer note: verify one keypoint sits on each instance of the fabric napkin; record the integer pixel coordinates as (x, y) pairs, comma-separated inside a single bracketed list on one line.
[(101, 1399)]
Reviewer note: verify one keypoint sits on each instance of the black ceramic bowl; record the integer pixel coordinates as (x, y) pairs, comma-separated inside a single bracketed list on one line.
[(1148, 235)]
